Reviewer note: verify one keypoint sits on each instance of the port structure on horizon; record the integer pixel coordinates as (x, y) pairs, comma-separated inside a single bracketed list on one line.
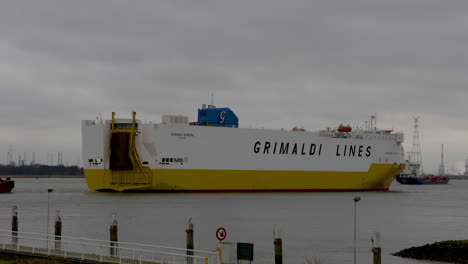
[(415, 157), (442, 165), (466, 167)]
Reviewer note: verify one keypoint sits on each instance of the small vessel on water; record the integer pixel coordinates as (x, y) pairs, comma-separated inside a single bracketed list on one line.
[(441, 177), (6, 185), (413, 172), (214, 155), (424, 179)]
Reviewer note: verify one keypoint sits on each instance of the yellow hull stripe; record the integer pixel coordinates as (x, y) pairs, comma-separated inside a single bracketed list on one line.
[(378, 177)]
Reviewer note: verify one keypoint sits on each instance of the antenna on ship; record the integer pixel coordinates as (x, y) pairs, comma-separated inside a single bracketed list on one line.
[(415, 157), (372, 123), (442, 165)]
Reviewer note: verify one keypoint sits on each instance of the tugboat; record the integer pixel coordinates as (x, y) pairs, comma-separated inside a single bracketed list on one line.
[(413, 172), (422, 179), (6, 185)]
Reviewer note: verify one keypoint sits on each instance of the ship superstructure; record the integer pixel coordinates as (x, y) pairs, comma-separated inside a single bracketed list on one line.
[(214, 154)]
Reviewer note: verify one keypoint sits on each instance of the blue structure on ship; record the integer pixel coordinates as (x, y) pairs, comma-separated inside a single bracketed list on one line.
[(212, 116)]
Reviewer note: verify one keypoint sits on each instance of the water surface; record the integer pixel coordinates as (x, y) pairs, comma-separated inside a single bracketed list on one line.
[(314, 225)]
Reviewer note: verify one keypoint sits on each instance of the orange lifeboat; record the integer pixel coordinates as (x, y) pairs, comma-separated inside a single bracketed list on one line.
[(298, 129), (342, 128)]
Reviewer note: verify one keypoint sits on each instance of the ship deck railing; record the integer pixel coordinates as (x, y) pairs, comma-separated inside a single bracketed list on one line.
[(100, 251)]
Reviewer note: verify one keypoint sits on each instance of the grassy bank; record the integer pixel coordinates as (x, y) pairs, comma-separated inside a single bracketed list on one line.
[(41, 176), (14, 259), (455, 251)]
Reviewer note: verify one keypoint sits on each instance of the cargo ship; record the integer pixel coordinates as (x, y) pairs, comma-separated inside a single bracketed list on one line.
[(214, 154)]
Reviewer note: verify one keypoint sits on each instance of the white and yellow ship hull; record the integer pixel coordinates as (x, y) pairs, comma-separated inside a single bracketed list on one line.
[(178, 157)]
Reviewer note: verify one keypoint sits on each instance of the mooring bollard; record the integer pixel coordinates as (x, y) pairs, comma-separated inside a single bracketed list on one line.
[(113, 235), (58, 230), (190, 245), (14, 224), (278, 242), (376, 248)]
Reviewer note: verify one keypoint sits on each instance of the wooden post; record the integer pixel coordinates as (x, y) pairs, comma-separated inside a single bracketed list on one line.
[(190, 245), (278, 250), (278, 242), (58, 230), (376, 248), (113, 235), (14, 224)]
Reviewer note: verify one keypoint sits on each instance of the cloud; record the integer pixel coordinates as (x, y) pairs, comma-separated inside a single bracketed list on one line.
[(278, 64)]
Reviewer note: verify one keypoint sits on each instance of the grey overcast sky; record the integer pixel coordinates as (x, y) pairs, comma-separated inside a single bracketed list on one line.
[(277, 63)]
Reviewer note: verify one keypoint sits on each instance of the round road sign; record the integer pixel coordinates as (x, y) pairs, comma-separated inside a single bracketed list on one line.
[(221, 233)]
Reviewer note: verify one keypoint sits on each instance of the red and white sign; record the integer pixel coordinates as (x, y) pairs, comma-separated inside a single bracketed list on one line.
[(221, 233)]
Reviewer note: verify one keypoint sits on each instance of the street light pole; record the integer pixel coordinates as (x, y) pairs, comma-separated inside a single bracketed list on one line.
[(48, 203), (356, 199)]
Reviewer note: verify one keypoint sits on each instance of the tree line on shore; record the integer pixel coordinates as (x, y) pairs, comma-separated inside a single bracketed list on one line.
[(40, 169)]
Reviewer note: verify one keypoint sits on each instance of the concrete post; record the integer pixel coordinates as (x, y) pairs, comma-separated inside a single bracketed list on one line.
[(14, 224), (190, 245), (376, 248), (58, 230), (113, 235)]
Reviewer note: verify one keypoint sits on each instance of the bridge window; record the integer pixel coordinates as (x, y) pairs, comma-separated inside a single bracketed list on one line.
[(123, 125)]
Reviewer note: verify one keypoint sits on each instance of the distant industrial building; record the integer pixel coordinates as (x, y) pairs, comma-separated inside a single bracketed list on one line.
[(466, 167)]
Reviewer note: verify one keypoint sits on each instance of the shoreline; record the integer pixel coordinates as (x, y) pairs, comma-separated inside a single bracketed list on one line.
[(41, 176), (453, 251)]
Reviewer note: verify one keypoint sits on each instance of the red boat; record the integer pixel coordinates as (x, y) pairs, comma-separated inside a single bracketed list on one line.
[(425, 179), (6, 185), (431, 179)]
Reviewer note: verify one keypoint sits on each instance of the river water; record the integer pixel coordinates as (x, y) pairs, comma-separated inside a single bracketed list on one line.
[(314, 226)]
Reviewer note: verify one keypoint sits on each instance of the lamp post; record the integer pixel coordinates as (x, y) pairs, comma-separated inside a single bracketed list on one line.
[(356, 199), (48, 203)]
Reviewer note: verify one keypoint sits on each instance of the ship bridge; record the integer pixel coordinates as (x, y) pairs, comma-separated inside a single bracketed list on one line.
[(212, 116)]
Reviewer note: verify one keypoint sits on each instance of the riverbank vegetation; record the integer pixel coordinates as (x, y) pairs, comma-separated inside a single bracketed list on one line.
[(455, 251), (40, 169), (15, 259)]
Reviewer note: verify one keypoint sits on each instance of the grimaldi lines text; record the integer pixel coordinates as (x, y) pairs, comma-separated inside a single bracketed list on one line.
[(309, 149)]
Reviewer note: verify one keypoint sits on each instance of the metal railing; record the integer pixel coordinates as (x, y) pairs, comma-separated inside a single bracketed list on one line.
[(101, 250), (137, 176)]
